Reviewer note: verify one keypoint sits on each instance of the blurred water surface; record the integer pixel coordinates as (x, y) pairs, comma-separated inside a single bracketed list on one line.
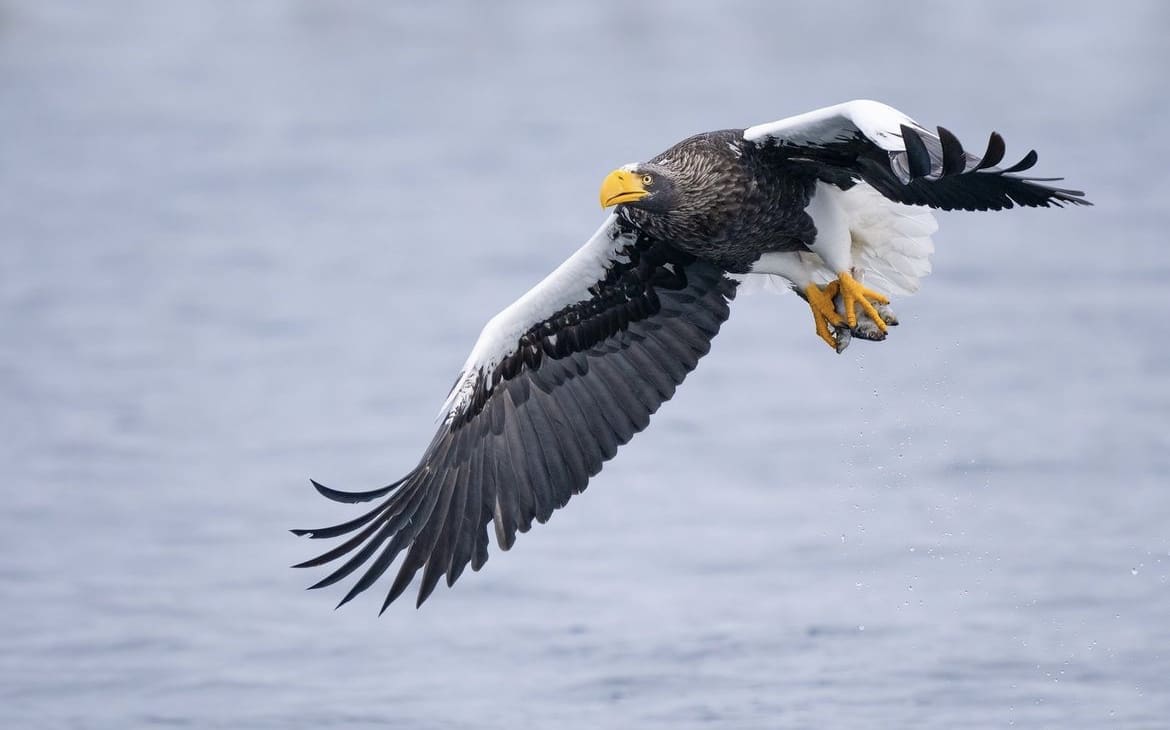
[(242, 244)]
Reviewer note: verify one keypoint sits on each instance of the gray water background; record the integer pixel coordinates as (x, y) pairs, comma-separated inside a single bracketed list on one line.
[(242, 244)]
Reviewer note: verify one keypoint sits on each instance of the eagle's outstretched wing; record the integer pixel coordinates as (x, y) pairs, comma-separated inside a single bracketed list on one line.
[(904, 161), (556, 383)]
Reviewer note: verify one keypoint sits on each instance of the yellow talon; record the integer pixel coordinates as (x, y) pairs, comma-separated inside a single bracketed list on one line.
[(852, 293), (820, 301)]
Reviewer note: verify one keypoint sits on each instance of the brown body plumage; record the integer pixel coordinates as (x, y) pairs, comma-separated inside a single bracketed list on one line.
[(730, 201)]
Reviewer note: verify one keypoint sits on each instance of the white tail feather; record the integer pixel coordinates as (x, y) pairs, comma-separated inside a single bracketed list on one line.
[(891, 241)]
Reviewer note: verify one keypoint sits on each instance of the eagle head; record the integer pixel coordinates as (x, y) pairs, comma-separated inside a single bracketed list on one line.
[(644, 185)]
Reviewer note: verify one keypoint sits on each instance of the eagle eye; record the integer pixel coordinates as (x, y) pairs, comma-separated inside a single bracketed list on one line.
[(647, 179)]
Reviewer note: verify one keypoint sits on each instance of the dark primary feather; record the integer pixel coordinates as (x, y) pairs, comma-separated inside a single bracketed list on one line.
[(918, 158), (577, 386), (933, 170)]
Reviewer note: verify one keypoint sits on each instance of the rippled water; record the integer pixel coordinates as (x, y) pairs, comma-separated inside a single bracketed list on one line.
[(245, 244)]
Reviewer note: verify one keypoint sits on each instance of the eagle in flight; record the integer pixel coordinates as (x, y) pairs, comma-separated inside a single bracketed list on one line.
[(574, 368)]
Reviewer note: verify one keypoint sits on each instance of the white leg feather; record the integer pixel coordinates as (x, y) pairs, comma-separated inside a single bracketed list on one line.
[(787, 264), (862, 234), (833, 243)]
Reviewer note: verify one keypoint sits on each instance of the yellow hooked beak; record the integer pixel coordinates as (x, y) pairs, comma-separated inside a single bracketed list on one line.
[(621, 186)]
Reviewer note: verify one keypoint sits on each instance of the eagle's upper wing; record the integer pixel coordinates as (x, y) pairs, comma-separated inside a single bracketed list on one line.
[(905, 161), (556, 382)]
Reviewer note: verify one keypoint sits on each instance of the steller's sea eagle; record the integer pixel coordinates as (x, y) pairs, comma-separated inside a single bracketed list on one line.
[(575, 367)]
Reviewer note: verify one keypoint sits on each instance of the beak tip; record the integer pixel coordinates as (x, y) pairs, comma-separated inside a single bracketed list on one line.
[(620, 187)]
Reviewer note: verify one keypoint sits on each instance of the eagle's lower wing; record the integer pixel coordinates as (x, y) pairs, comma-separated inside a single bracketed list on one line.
[(906, 162), (556, 383)]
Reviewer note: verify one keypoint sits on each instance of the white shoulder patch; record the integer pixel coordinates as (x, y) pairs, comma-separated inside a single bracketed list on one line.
[(566, 285), (879, 122)]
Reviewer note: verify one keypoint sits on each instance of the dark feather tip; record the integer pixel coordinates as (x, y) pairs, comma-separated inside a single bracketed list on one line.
[(348, 597), (954, 158), (326, 581), (995, 152), (349, 497), (917, 156), (1025, 164)]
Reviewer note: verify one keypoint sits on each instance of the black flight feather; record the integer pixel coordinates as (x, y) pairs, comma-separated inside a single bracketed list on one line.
[(578, 385)]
